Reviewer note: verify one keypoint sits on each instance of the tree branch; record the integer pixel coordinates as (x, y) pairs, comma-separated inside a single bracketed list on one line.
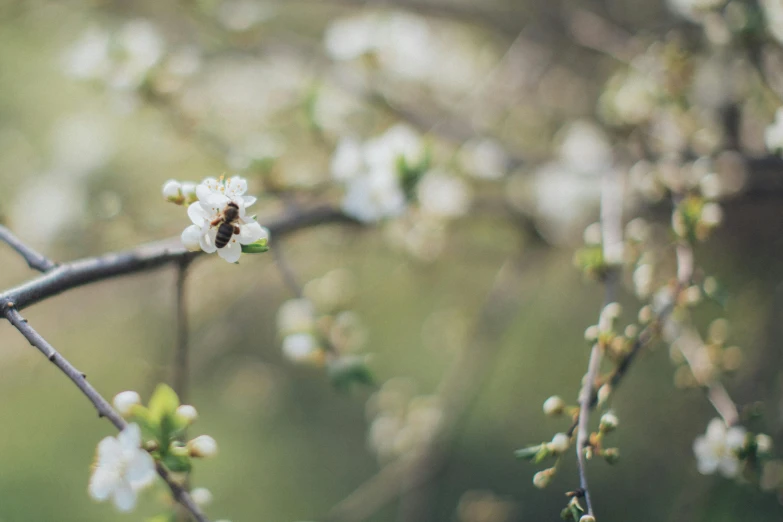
[(181, 369), (34, 259), (146, 257), (101, 404)]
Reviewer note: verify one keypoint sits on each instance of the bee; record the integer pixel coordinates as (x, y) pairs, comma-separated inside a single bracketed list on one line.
[(226, 223)]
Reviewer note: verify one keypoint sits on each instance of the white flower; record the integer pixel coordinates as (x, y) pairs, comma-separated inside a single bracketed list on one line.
[(560, 443), (203, 446), (89, 57), (201, 496), (773, 135), (375, 196), (347, 161), (122, 469), (125, 401), (296, 315), (349, 38), (716, 450), (300, 347), (400, 141), (213, 196), (187, 412), (442, 195)]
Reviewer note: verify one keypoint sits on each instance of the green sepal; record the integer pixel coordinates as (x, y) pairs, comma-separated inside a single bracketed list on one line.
[(164, 402), (259, 247), (348, 370), (573, 511), (177, 463), (535, 453)]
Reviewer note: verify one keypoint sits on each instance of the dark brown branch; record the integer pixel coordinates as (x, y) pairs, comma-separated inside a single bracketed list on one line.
[(101, 404), (181, 368), (35, 260), (147, 257)]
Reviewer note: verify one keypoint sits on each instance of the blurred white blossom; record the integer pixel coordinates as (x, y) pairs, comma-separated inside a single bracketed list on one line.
[(484, 158), (717, 449), (122, 469), (443, 195)]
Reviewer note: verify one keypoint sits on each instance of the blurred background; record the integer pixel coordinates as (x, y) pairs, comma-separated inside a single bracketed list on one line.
[(516, 109)]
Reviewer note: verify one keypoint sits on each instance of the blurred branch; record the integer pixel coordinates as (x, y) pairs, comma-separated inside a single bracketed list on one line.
[(458, 391), (181, 368), (286, 272), (146, 257), (101, 405), (34, 259)]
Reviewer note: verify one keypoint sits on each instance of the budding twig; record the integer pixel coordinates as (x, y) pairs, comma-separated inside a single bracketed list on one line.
[(101, 404), (35, 260)]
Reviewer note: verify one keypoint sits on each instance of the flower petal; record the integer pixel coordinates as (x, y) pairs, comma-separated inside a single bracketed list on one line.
[(102, 483), (235, 187), (251, 232), (109, 452), (207, 241), (191, 238), (124, 497), (130, 437), (729, 467), (203, 192), (141, 470), (198, 214), (707, 465), (231, 251), (249, 200)]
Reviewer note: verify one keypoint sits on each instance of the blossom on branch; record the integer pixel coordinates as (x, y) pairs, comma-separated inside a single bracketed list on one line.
[(717, 449), (220, 208), (121, 469)]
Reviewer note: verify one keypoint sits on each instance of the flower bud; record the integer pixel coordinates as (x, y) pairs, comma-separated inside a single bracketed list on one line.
[(645, 314), (611, 455), (203, 446), (543, 478), (591, 333), (189, 190), (763, 444), (201, 496), (587, 518), (603, 393), (125, 401), (191, 238), (172, 191), (178, 449), (560, 443), (188, 413), (608, 422), (613, 310), (553, 406)]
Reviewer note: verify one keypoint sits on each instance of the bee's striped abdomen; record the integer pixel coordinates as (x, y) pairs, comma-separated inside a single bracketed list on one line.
[(224, 233)]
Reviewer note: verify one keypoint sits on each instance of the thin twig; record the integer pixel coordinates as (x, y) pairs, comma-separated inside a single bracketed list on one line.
[(101, 404), (611, 234), (35, 260), (146, 257), (286, 272)]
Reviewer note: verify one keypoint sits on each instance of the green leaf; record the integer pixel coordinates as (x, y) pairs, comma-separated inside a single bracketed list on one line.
[(528, 453), (258, 247), (177, 463), (346, 371), (164, 402)]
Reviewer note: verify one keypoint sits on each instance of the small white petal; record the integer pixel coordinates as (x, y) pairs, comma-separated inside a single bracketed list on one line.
[(235, 187), (130, 437), (716, 430), (198, 214), (207, 241), (729, 467), (201, 496), (251, 232), (191, 238), (203, 446), (187, 412), (171, 189), (707, 466), (231, 252), (248, 200), (124, 497), (141, 470), (109, 452), (203, 192), (102, 483)]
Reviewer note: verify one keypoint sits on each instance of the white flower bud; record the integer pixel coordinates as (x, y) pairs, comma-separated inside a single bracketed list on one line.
[(553, 406), (543, 478), (592, 234), (201, 496), (560, 443), (125, 401), (645, 314), (608, 422), (188, 412), (763, 444), (711, 214), (300, 347), (591, 333), (190, 238), (587, 518), (172, 191), (203, 446), (692, 295), (188, 189), (613, 310), (603, 393)]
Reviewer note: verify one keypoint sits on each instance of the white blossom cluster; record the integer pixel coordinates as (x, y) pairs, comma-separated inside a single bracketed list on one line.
[(717, 450), (210, 199), (321, 320), (401, 421)]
